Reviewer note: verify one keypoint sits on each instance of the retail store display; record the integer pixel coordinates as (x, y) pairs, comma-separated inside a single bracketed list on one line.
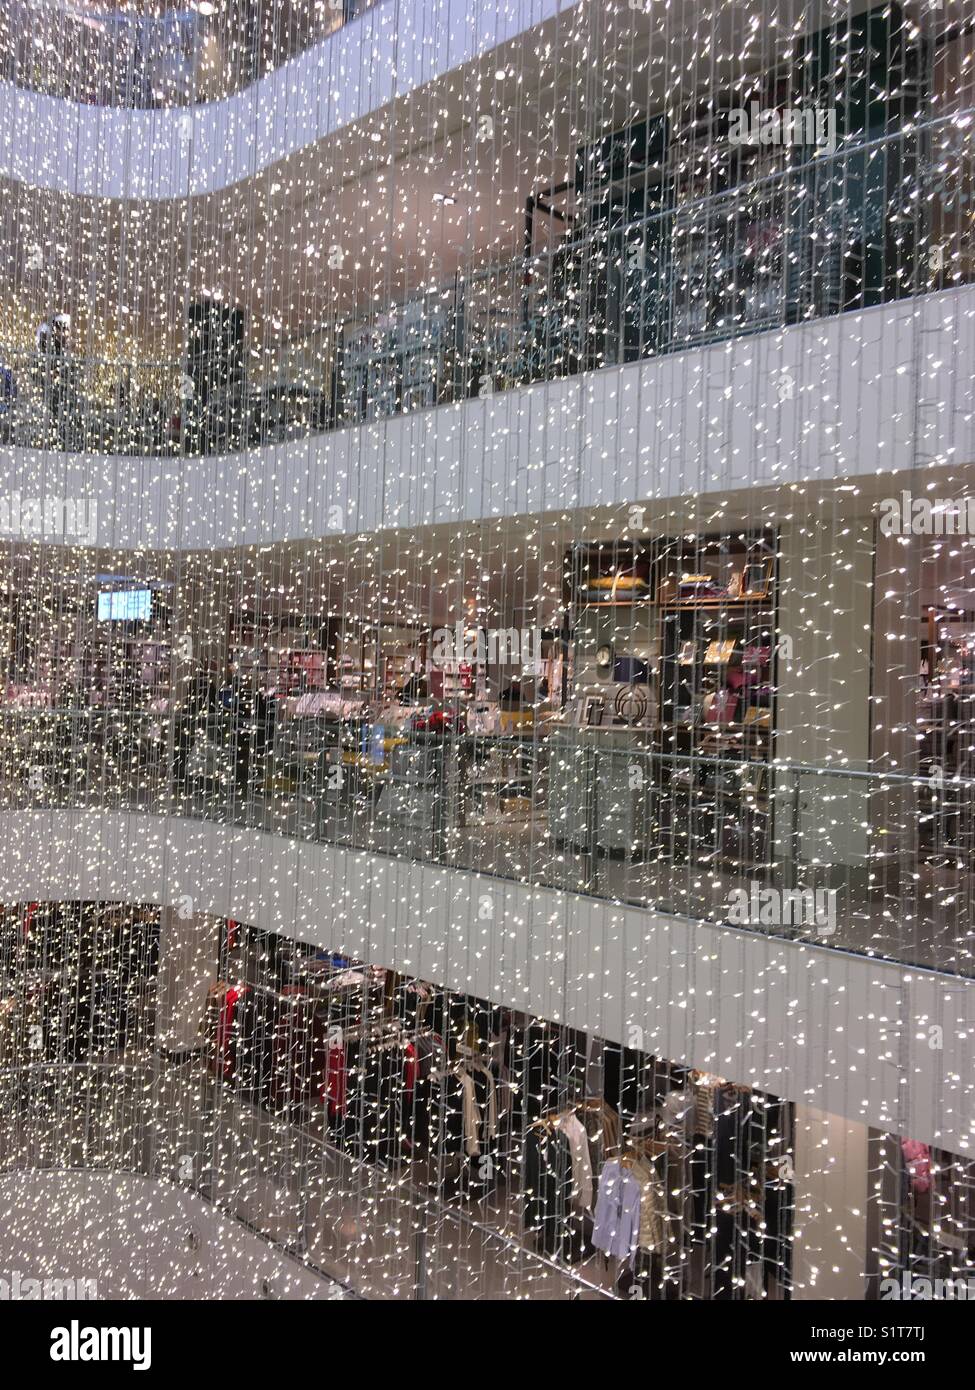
[(77, 982), (632, 1176), (475, 1103), (921, 1220)]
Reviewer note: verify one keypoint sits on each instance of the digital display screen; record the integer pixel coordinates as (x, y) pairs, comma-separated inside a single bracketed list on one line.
[(125, 606)]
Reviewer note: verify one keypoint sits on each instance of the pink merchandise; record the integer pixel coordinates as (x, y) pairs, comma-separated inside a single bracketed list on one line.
[(918, 1159)]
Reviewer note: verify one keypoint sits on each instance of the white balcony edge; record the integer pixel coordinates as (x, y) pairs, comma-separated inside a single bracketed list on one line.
[(707, 422), (110, 152), (844, 1033)]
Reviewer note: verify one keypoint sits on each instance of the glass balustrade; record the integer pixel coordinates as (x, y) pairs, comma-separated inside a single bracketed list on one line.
[(819, 239), (878, 864)]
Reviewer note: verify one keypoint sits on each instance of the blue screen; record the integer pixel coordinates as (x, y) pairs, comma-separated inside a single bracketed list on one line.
[(125, 606)]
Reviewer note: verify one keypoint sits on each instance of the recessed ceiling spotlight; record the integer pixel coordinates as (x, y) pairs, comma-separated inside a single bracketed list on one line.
[(206, 8), (447, 199), (376, 136)]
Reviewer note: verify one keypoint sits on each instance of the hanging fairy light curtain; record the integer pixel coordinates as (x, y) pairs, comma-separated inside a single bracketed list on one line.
[(585, 321)]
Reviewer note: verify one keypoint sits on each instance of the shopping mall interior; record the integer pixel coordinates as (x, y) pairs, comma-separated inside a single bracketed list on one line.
[(487, 650)]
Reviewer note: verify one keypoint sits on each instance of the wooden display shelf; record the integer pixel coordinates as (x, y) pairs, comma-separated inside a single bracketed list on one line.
[(615, 602)]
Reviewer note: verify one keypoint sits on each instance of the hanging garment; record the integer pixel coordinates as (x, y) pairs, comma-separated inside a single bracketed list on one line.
[(447, 1128), (333, 1092), (409, 1070), (733, 1132), (595, 1078), (472, 1121), (487, 1099), (220, 1019), (677, 1110), (617, 1219), (576, 1244), (704, 1092), (602, 1125), (380, 1102), (10, 1018), (734, 1246), (226, 1045), (779, 1214), (543, 1064), (547, 1188), (574, 1131), (653, 1206), (294, 1047), (254, 1059), (428, 1050)]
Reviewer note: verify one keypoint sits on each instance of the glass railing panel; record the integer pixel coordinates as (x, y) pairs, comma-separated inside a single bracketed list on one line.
[(838, 233), (865, 862)]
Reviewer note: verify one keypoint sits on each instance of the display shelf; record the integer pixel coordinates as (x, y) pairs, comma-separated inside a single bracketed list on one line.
[(617, 602), (674, 635), (733, 603)]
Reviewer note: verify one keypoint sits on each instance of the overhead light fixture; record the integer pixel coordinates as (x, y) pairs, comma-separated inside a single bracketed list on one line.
[(206, 8), (447, 199)]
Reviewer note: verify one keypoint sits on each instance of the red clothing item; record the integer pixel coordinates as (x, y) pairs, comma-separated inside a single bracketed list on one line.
[(334, 1089), (409, 1070), (918, 1159), (226, 1053)]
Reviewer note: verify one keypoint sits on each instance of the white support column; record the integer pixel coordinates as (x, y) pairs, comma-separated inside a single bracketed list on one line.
[(831, 1179), (823, 671), (189, 948)]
